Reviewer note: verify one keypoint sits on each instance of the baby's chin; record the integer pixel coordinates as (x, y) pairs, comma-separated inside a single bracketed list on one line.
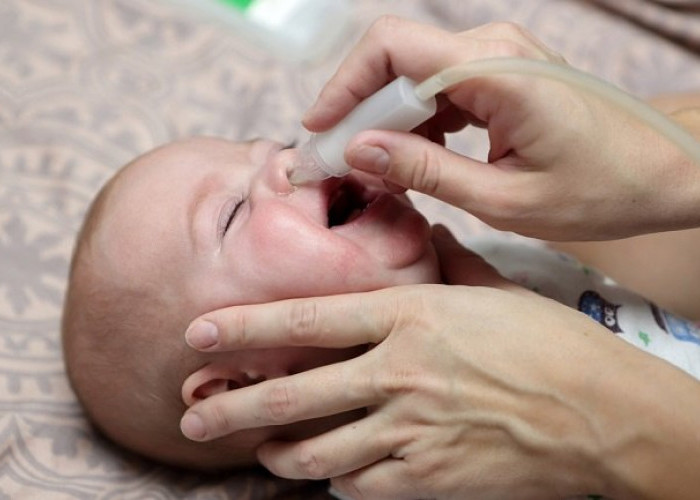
[(424, 270)]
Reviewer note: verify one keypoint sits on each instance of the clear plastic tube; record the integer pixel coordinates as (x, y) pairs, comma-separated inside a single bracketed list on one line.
[(566, 74)]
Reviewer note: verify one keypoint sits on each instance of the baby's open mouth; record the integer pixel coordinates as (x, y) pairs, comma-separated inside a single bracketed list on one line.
[(348, 202)]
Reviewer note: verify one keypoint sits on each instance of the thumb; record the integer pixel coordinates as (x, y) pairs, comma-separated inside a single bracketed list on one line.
[(414, 162), (461, 266)]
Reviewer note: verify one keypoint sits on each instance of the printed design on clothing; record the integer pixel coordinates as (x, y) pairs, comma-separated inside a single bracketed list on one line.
[(681, 329), (644, 337), (600, 309)]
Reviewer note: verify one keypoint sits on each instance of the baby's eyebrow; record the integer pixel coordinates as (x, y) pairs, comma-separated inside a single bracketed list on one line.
[(200, 193)]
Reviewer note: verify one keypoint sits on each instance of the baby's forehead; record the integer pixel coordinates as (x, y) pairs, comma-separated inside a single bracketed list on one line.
[(145, 228), (182, 162), (141, 231), (165, 158)]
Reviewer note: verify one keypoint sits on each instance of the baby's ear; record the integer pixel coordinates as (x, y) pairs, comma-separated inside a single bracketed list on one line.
[(215, 378), (206, 382), (211, 387)]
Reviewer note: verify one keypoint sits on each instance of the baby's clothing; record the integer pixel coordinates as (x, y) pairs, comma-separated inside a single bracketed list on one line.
[(625, 314)]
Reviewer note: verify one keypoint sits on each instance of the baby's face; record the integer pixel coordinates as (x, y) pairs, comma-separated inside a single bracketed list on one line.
[(222, 219), (218, 224)]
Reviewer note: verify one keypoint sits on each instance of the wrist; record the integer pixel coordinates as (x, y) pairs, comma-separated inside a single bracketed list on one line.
[(656, 184), (647, 412), (689, 118), (679, 179)]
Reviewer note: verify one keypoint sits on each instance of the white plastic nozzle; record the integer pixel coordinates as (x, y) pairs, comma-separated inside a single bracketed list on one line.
[(393, 107)]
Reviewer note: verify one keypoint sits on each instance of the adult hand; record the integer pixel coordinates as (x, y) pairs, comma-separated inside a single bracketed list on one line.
[(563, 164), (475, 392)]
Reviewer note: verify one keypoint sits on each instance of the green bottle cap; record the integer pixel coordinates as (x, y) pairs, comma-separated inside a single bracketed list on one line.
[(238, 4)]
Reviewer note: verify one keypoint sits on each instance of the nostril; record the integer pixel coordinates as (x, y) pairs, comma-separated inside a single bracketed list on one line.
[(282, 164)]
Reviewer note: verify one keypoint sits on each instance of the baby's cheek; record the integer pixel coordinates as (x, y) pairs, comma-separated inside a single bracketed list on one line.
[(298, 258), (279, 237), (282, 243)]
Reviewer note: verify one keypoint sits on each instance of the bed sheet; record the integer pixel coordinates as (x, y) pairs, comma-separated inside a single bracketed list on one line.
[(86, 85)]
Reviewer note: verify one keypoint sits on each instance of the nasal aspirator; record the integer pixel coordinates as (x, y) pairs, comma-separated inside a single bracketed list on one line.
[(403, 105), (393, 107)]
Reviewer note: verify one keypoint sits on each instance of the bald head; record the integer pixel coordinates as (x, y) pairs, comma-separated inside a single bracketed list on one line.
[(123, 325)]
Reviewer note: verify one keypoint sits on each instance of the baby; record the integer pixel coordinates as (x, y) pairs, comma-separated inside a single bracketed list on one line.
[(205, 223), (197, 225)]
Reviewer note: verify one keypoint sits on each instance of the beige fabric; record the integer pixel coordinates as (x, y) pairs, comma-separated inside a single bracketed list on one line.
[(678, 20), (85, 85)]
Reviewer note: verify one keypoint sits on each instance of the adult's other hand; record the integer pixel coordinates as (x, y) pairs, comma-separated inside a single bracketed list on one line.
[(473, 392)]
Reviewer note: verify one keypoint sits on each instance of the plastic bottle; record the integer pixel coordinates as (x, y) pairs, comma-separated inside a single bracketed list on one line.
[(292, 30)]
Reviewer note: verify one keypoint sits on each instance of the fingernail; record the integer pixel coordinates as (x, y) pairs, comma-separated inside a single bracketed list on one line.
[(372, 159), (192, 426), (312, 114), (202, 334), (309, 114)]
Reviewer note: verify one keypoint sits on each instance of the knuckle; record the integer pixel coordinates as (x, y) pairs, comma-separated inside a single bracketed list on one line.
[(347, 485), (509, 48), (389, 314), (509, 30), (303, 320), (238, 334), (396, 381), (509, 39), (219, 420), (512, 29), (385, 25), (505, 207), (500, 201), (518, 41), (426, 171), (310, 465), (280, 402), (426, 470)]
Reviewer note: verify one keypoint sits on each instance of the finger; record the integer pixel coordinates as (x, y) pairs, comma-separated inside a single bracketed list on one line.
[(328, 390), (384, 480), (334, 322), (461, 266), (531, 45), (337, 452), (417, 163), (386, 50), (394, 46)]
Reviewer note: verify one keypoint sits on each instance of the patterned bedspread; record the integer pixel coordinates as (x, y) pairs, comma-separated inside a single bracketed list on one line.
[(85, 85)]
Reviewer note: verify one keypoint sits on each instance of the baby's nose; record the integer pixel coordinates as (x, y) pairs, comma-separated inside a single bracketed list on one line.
[(276, 174)]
